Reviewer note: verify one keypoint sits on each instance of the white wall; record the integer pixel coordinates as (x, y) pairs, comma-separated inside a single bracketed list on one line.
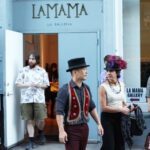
[(108, 29), (131, 41), (112, 41)]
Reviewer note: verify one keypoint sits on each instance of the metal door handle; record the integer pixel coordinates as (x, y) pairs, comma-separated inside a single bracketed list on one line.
[(8, 94)]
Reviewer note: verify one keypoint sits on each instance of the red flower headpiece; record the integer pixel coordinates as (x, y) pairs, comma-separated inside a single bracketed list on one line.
[(115, 63)]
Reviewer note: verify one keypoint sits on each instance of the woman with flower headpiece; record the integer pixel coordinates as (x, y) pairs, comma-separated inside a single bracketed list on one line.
[(113, 104)]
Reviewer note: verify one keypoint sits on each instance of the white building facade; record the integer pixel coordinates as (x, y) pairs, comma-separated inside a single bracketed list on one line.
[(62, 29)]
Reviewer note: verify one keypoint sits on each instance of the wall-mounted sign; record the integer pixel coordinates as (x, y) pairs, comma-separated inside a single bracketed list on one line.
[(53, 16), (136, 94), (57, 10)]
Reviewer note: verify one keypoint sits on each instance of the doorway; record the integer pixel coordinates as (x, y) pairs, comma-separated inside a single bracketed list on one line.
[(46, 46), (82, 44), (59, 48)]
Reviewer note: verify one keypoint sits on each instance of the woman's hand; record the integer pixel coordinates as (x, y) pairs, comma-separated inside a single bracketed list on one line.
[(125, 110)]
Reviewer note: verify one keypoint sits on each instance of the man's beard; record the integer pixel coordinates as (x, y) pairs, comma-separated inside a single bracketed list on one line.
[(32, 66)]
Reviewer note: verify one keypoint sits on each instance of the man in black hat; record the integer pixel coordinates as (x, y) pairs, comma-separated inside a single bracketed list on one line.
[(73, 104)]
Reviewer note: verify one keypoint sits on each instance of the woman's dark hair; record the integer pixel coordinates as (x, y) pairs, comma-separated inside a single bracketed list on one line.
[(53, 74), (106, 58), (118, 73)]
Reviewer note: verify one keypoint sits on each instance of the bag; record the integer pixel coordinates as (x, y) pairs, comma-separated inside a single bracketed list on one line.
[(137, 122), (147, 142), (135, 130), (54, 87)]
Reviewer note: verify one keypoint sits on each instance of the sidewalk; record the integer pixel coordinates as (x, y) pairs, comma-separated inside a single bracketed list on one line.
[(54, 145), (58, 146)]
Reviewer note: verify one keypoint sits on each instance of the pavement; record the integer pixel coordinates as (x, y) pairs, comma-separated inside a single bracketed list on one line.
[(53, 144), (58, 146)]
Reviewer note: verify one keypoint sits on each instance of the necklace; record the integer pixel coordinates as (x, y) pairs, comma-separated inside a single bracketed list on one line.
[(115, 89)]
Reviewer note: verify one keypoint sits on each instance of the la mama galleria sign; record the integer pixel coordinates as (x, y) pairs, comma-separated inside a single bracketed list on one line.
[(56, 10), (57, 16)]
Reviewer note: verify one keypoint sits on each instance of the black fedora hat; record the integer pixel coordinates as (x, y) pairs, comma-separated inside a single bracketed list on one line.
[(76, 63)]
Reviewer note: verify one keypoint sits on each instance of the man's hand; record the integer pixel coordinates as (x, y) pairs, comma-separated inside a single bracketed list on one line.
[(63, 137), (100, 129)]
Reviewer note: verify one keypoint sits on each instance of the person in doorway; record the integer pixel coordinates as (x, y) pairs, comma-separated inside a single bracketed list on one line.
[(103, 73), (32, 80), (54, 86), (113, 104), (47, 91), (73, 105)]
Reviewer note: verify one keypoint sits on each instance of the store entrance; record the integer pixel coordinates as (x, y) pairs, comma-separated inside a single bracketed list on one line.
[(47, 47), (58, 49)]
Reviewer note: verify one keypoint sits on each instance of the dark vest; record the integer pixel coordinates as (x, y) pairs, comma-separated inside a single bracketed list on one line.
[(74, 112)]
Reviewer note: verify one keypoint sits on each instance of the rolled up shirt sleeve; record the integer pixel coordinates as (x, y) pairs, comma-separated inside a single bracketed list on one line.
[(62, 100), (45, 79), (92, 105), (20, 77)]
